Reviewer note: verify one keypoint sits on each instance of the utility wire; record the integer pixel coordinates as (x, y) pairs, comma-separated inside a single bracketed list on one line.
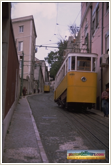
[(57, 47), (77, 16), (49, 44), (55, 24)]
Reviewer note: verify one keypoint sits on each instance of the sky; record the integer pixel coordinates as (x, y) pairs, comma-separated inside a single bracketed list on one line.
[(52, 21)]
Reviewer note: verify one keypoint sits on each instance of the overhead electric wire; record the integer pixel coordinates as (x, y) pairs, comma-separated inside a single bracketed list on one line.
[(61, 25), (55, 24), (49, 44), (57, 47), (77, 16)]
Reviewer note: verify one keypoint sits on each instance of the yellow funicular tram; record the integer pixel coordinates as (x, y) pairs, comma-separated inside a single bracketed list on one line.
[(76, 81), (47, 87)]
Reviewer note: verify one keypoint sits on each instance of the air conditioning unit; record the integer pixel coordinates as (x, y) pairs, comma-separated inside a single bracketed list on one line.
[(104, 60), (36, 50)]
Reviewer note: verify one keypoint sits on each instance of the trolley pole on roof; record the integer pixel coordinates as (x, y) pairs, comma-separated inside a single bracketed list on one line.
[(22, 57)]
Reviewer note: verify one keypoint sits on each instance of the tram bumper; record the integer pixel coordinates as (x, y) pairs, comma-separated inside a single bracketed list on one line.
[(81, 94)]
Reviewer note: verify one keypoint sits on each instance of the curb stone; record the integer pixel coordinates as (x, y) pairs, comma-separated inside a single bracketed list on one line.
[(41, 148)]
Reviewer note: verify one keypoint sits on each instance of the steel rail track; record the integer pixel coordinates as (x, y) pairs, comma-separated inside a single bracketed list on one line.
[(87, 128), (87, 133), (81, 123), (98, 119), (94, 140), (98, 133), (94, 126)]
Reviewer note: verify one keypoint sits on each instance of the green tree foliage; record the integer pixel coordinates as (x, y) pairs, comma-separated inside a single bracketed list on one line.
[(62, 45), (54, 69), (52, 57), (55, 59)]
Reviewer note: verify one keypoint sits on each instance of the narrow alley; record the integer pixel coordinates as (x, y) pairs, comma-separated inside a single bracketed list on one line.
[(59, 130)]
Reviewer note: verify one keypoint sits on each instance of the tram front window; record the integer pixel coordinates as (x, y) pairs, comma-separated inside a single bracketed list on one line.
[(94, 64), (84, 63)]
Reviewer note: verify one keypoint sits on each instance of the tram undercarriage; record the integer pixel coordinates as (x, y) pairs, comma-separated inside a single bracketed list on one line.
[(62, 102)]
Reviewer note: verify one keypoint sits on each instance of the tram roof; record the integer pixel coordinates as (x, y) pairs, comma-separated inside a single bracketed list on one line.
[(83, 54), (79, 55)]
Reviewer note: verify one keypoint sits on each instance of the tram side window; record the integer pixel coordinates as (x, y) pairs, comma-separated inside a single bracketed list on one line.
[(94, 64), (61, 74), (84, 63), (73, 63), (63, 70), (66, 65), (69, 60)]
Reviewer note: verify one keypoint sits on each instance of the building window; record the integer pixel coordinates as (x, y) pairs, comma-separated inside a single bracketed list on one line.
[(20, 46), (107, 6), (108, 51), (86, 3), (21, 29), (86, 39), (35, 66), (97, 17), (93, 26), (85, 30), (107, 42)]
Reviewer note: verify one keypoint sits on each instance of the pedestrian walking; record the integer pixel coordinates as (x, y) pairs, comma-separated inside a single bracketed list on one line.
[(34, 90), (24, 91), (105, 101), (38, 90)]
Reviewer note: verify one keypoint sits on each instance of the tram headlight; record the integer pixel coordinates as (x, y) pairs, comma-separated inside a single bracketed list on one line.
[(83, 79)]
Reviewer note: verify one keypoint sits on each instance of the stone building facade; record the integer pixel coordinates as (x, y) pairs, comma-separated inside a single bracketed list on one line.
[(25, 38), (94, 38), (10, 70)]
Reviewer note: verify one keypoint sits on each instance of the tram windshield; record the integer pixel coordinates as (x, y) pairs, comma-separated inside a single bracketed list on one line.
[(79, 63), (94, 65), (84, 63)]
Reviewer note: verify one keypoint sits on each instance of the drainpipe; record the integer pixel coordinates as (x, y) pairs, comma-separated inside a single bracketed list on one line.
[(102, 52), (90, 50)]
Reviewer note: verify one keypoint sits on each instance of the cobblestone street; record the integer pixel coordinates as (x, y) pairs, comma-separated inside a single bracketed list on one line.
[(57, 130)]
